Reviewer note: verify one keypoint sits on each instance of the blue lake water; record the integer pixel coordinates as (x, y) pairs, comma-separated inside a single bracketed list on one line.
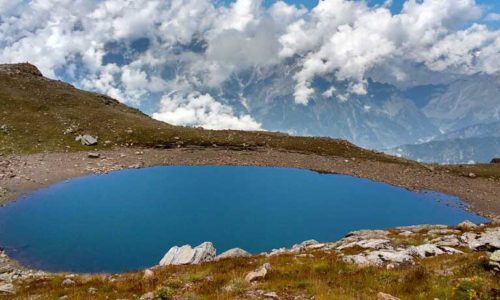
[(127, 220)]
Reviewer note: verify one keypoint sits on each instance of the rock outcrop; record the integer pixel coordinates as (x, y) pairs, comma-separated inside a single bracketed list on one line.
[(86, 140), (259, 273), (233, 253), (186, 255)]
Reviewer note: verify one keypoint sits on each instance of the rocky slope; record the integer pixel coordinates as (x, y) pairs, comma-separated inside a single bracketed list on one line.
[(424, 261)]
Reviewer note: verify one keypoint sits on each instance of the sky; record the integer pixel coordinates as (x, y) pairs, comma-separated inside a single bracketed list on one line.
[(165, 56)]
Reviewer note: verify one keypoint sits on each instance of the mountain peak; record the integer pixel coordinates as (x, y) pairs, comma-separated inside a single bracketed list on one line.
[(21, 68)]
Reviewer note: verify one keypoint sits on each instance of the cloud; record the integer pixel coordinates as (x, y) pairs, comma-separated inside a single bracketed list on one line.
[(202, 110), (493, 17), (194, 46)]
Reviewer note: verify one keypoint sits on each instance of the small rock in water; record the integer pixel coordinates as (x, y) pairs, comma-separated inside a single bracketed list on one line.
[(186, 255), (258, 274), (232, 253), (384, 296)]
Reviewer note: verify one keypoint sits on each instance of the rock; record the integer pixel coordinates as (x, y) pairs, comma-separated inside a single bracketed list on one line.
[(428, 250), (380, 257), (448, 240), (472, 175), (148, 296), (86, 140), (93, 155), (148, 274), (271, 295), (7, 288), (186, 255), (232, 253), (68, 282), (466, 225), (420, 228), (92, 291), (367, 244), (489, 240), (259, 273), (384, 296), (495, 160), (495, 261)]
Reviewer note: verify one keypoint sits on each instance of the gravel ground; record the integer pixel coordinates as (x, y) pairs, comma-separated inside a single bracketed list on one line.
[(21, 174)]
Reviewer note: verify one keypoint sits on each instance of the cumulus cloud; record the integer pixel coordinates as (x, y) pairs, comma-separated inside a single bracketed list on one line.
[(139, 50), (202, 110)]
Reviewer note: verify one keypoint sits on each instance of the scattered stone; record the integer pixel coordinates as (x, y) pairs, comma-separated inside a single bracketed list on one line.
[(148, 274), (428, 250), (65, 297), (7, 288), (367, 244), (271, 295), (472, 175), (68, 282), (259, 273), (495, 261), (92, 291), (233, 253), (489, 240), (186, 255), (448, 241), (384, 296), (466, 225), (86, 140), (94, 155), (148, 296)]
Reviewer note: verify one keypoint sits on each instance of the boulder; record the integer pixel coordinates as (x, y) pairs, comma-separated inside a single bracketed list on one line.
[(86, 140), (93, 155), (489, 240), (466, 225), (186, 255), (380, 257), (148, 296), (428, 250), (448, 241), (384, 296), (367, 244), (233, 253), (495, 260), (148, 274), (68, 282), (7, 288), (271, 295), (495, 160), (259, 273)]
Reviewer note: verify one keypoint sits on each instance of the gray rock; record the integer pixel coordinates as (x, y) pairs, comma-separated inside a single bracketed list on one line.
[(466, 225), (259, 273), (419, 228), (428, 250), (380, 257), (271, 295), (93, 155), (186, 255), (233, 253), (495, 261), (148, 296), (86, 140), (148, 274), (366, 244), (384, 296), (489, 240), (7, 288), (68, 282), (448, 240)]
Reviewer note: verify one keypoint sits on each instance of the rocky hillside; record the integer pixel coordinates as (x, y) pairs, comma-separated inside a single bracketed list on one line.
[(38, 114), (415, 262)]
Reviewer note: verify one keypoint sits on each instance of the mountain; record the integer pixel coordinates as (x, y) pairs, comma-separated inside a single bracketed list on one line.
[(453, 151), (38, 114), (382, 118), (478, 131)]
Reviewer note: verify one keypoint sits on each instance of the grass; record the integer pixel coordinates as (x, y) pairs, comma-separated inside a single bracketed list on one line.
[(323, 276), (41, 115)]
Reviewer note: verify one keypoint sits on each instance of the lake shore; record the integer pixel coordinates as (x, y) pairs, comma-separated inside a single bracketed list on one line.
[(22, 174)]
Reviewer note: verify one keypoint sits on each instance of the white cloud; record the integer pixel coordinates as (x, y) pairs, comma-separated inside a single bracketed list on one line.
[(202, 110), (493, 17), (202, 45)]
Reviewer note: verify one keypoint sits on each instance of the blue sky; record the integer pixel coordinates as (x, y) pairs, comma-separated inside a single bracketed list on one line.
[(492, 5)]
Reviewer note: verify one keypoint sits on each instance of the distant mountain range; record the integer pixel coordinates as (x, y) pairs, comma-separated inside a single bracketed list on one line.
[(385, 118)]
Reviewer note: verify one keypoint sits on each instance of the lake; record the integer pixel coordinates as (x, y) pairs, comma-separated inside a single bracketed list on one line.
[(127, 220)]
